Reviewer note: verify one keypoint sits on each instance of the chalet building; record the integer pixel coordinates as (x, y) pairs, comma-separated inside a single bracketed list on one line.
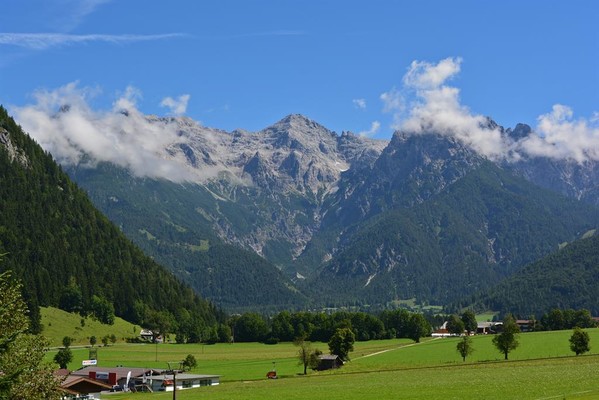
[(442, 331), (148, 335), (77, 386), (485, 328), (526, 325), (92, 380)]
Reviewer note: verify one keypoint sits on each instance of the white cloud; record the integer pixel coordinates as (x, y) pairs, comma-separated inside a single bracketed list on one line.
[(123, 135), (359, 103), (374, 128), (424, 75), (178, 106), (42, 41), (394, 103), (561, 136), (435, 107)]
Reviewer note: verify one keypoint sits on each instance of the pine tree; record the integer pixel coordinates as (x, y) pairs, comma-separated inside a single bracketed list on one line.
[(24, 373)]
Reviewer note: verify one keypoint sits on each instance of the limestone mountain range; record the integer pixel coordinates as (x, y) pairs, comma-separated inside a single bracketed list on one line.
[(303, 199)]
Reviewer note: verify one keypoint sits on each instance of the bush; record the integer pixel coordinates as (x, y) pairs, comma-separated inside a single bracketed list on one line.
[(271, 340), (190, 362)]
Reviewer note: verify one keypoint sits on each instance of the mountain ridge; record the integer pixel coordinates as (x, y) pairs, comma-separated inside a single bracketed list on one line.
[(298, 195)]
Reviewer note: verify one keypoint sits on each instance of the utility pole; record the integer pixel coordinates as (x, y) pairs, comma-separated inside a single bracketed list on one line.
[(174, 371), (174, 384)]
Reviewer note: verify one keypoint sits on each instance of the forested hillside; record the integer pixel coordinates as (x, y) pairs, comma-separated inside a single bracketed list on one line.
[(169, 221), (565, 279), (68, 254), (481, 229)]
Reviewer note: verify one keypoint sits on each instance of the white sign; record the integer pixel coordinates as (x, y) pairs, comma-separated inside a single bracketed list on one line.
[(86, 363)]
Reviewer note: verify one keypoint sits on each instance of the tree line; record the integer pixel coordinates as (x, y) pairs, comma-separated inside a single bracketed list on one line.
[(288, 326)]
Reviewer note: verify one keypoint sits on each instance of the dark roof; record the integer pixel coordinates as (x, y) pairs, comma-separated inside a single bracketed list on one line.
[(328, 357), (121, 372)]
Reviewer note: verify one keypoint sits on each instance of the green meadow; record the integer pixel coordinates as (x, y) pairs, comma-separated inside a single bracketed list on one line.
[(58, 324), (543, 367)]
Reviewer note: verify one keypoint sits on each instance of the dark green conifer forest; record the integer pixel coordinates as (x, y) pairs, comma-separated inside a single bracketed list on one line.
[(66, 253)]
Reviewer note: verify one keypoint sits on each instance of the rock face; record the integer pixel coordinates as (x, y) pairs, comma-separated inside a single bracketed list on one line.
[(14, 153), (281, 175), (423, 215), (410, 170), (294, 155), (572, 179)]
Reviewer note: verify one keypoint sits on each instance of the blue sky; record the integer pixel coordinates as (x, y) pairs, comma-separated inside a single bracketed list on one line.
[(246, 64)]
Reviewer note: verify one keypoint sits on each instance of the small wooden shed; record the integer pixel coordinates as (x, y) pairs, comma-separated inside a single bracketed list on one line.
[(329, 361)]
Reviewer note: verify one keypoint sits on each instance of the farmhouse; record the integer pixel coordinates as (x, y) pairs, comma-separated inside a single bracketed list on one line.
[(93, 379), (525, 325), (148, 335), (442, 331), (484, 328), (75, 386)]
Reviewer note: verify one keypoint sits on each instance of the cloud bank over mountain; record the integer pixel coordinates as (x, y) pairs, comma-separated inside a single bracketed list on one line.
[(65, 124), (427, 103)]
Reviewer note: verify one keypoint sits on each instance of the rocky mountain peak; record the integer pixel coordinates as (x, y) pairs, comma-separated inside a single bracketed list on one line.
[(298, 120), (519, 132), (490, 124), (416, 160), (296, 129)]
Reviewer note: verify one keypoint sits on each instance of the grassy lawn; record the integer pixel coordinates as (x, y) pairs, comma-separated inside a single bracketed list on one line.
[(569, 378), (543, 367), (484, 317), (234, 362), (58, 324)]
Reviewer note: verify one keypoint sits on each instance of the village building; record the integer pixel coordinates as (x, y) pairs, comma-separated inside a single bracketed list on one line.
[(116, 377), (442, 331), (525, 325), (90, 381), (485, 328), (75, 387), (148, 335), (166, 382)]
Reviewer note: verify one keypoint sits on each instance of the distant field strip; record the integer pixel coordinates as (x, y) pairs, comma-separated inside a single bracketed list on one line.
[(396, 348)]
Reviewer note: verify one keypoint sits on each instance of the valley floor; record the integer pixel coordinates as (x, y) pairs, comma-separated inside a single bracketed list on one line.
[(542, 368)]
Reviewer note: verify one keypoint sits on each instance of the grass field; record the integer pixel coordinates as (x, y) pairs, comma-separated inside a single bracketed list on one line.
[(58, 324), (487, 316), (567, 378), (541, 368)]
